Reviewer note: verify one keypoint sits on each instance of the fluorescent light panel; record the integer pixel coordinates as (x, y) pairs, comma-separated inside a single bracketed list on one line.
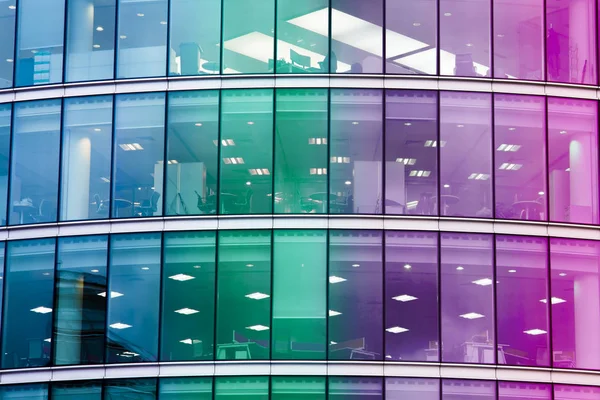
[(333, 313), (257, 296), (508, 147), (182, 277), (257, 328), (120, 325), (396, 329), (340, 160), (41, 310), (131, 146), (483, 282), (404, 298), (472, 315), (554, 300), (406, 161), (112, 294), (535, 332), (336, 279)]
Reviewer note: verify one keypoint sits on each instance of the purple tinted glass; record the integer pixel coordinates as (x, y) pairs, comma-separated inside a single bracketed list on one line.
[(521, 282), (411, 152), (455, 389), (349, 388), (412, 388), (571, 41), (573, 160), (572, 392), (411, 296), (520, 157), (575, 302), (467, 298), (411, 37), (519, 39), (466, 154), (465, 37), (524, 391), (355, 295)]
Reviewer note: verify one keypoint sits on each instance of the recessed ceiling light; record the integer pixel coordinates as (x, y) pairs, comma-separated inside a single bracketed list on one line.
[(512, 271), (140, 14), (145, 268), (186, 311), (99, 28), (553, 300), (483, 282), (472, 315), (257, 328), (447, 14), (500, 35), (404, 298), (250, 122), (562, 274), (46, 273), (197, 266), (12, 7), (97, 130), (336, 279), (355, 265), (48, 340), (332, 342), (469, 44), (460, 126), (460, 268), (535, 332), (541, 193), (96, 46), (563, 132), (416, 24), (122, 37), (131, 146), (95, 271), (248, 183), (112, 294), (181, 277), (190, 341), (354, 122), (446, 186), (198, 124), (396, 329), (249, 265), (333, 313), (407, 266), (163, 22), (257, 296), (120, 325), (34, 51), (9, 60), (348, 183), (407, 124), (41, 310)]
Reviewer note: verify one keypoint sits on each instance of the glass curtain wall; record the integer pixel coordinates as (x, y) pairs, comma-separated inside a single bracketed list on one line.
[(306, 388), (76, 390), (185, 388), (245, 387), (8, 17), (5, 128)]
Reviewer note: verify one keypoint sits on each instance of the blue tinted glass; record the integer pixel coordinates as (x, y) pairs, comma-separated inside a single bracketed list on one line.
[(7, 45), (5, 123), (77, 390), (35, 391), (130, 389)]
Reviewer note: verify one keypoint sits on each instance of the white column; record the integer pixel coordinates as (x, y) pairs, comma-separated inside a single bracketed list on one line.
[(587, 321), (580, 49), (580, 179), (81, 21), (70, 315), (76, 176)]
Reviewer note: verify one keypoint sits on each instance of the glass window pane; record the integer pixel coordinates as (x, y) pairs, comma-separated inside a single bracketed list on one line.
[(5, 125), (134, 285), (188, 300), (302, 36), (412, 388), (571, 41), (411, 146), (355, 295), (77, 390), (575, 302), (455, 389), (518, 39), (299, 273), (192, 147), (467, 300), (86, 146), (34, 169), (185, 388), (572, 392), (356, 151), (31, 391), (142, 44), (520, 157), (248, 31), (522, 319), (411, 37), (90, 40), (243, 295), (40, 44), (80, 300), (305, 388), (465, 37), (301, 151), (348, 388), (573, 160), (195, 37), (411, 302), (466, 154), (28, 300), (524, 391), (130, 389), (254, 388), (138, 155), (246, 151), (7, 45)]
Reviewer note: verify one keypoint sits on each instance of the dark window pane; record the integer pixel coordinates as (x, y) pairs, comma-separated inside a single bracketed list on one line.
[(348, 388), (356, 151), (411, 147), (77, 390), (355, 295), (130, 389), (301, 151), (7, 46), (454, 389), (524, 391), (522, 319), (244, 291), (254, 388), (28, 300), (305, 388), (34, 169), (185, 388), (188, 296), (467, 298), (5, 125), (299, 294), (246, 151), (31, 391), (133, 304), (86, 146), (572, 392), (80, 300), (138, 155), (411, 302), (412, 388)]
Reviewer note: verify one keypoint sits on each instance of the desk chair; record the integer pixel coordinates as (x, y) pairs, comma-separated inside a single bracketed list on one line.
[(463, 65), (299, 60), (149, 207)]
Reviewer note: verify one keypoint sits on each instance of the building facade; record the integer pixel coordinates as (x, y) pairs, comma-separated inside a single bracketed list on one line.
[(299, 199)]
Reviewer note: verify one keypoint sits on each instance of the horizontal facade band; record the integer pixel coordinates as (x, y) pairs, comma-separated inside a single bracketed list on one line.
[(486, 85)]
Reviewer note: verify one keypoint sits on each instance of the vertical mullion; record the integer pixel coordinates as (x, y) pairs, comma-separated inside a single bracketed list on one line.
[(219, 129), (54, 305), (161, 297), (168, 51), (165, 152), (493, 151), (272, 249), (64, 42), (60, 161), (439, 294), (10, 159), (438, 150), (495, 298), (116, 45), (113, 160), (16, 43)]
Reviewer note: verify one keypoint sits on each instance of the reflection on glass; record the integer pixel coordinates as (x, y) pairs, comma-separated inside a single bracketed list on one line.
[(520, 157), (248, 31), (411, 37), (90, 40), (7, 45), (86, 147), (185, 388), (355, 151), (130, 389), (355, 295), (522, 319), (573, 160), (412, 388), (299, 294), (243, 295), (133, 304), (247, 387), (192, 147), (572, 392), (77, 390), (467, 298), (411, 302), (411, 146), (194, 47), (465, 154), (305, 388), (453, 389), (302, 36), (5, 125), (34, 159), (349, 388), (188, 299), (40, 34), (138, 155), (246, 151), (80, 300), (524, 391), (301, 151), (29, 282), (30, 391)]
